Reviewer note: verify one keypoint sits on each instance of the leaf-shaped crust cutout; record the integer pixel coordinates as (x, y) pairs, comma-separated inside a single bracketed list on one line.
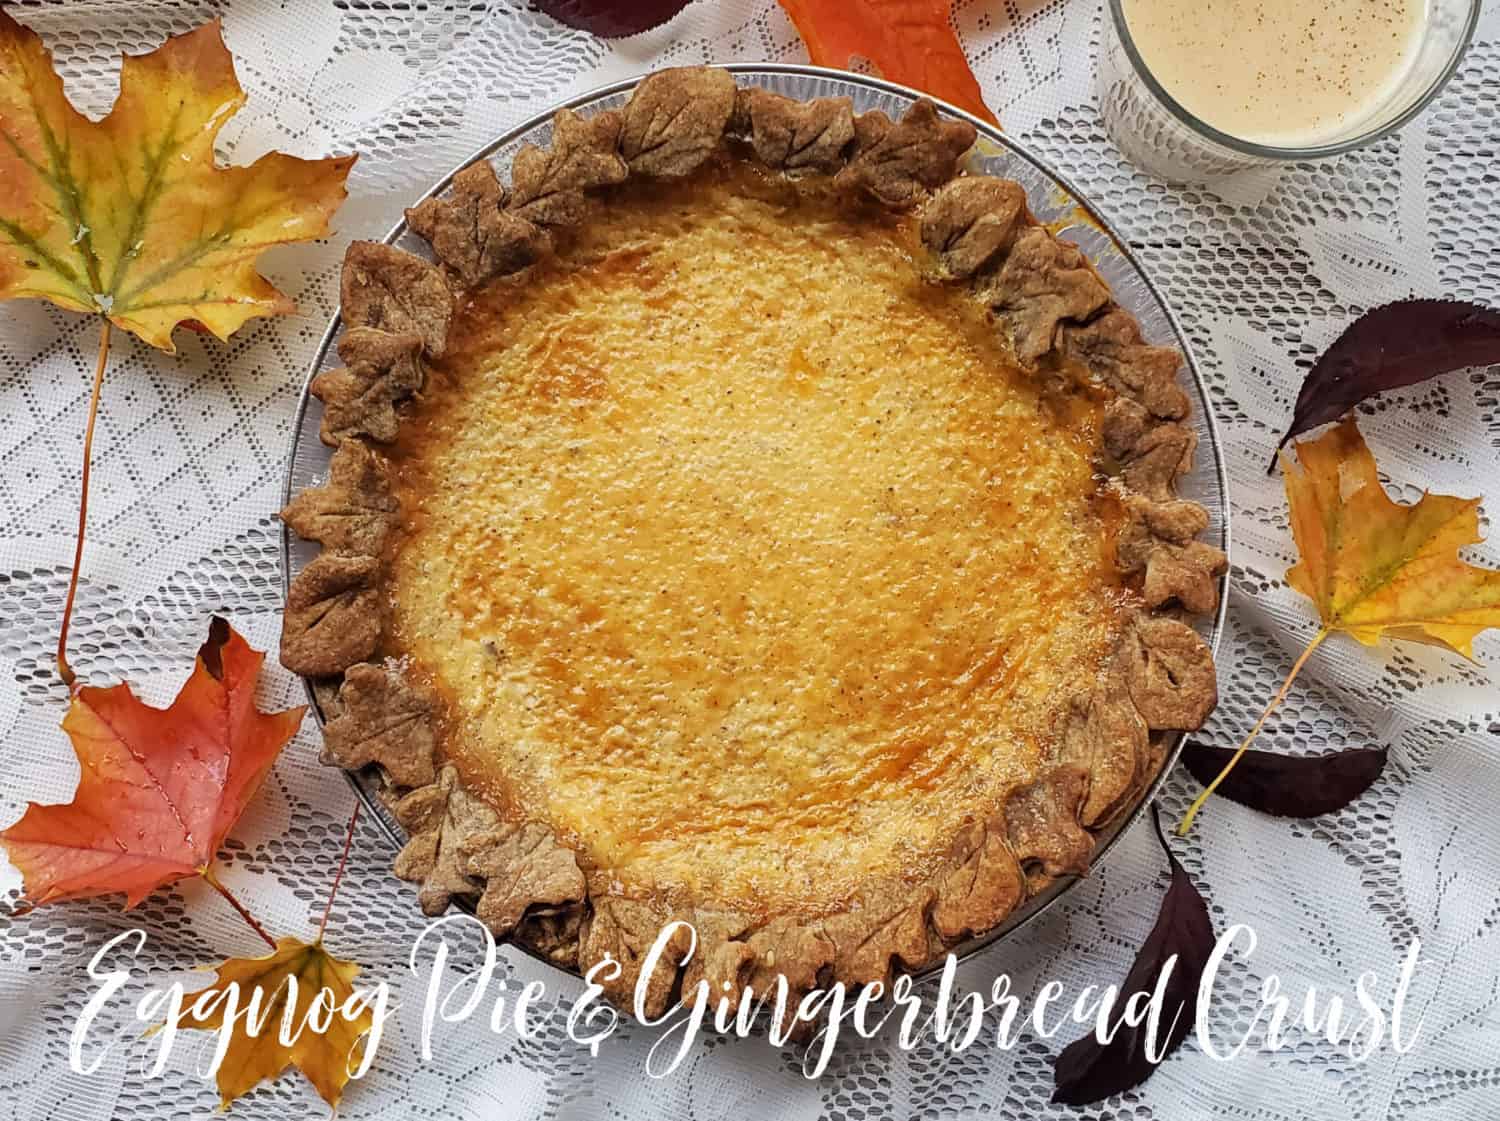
[(354, 511), (888, 925), (471, 236), (384, 718), (1105, 735), (971, 221), (1042, 283), (675, 118), (1111, 348), (722, 959), (869, 129), (733, 960), (625, 930), (796, 136), (1042, 822), (438, 818), (1124, 426), (1159, 455), (1159, 538), (385, 287), (983, 885), (897, 164), (785, 947), (360, 398), (1185, 574), (548, 186), (333, 616), (1171, 674), (801, 952), (523, 866), (1149, 522)]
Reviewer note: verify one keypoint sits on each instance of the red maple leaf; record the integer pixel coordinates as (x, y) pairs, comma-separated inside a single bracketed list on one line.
[(160, 788)]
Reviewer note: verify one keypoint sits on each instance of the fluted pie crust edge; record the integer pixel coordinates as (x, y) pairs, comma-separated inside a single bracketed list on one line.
[(524, 882)]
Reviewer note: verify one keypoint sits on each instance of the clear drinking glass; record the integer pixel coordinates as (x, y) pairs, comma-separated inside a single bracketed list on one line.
[(1158, 135)]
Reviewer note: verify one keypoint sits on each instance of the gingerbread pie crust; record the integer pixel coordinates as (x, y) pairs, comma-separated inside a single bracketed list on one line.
[(748, 518)]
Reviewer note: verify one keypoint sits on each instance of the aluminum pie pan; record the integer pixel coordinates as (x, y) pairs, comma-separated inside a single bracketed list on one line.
[(1054, 201)]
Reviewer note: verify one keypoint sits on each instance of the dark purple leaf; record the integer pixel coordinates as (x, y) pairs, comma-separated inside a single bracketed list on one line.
[(1392, 346), (611, 19), (1088, 1071), (1288, 785)]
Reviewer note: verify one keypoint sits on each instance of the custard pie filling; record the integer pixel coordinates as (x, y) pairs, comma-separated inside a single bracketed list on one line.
[(741, 551)]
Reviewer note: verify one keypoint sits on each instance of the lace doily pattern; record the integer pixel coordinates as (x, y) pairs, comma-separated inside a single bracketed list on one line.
[(1263, 272)]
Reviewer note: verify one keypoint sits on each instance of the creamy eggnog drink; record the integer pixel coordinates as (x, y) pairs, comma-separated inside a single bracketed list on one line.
[(1282, 73)]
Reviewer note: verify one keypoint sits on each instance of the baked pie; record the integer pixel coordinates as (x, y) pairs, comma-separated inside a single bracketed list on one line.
[(747, 517)]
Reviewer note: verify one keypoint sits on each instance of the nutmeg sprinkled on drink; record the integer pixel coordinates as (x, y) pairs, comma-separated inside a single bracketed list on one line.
[(1287, 73)]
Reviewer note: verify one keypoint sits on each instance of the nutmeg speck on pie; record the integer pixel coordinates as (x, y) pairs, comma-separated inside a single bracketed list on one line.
[(747, 517)]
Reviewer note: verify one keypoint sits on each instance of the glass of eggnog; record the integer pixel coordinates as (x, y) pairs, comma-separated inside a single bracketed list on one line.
[(1192, 90)]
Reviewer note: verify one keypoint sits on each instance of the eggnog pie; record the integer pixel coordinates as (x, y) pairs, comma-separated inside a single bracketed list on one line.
[(749, 518)]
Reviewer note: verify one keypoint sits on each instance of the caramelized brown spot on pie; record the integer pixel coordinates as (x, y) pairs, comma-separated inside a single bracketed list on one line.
[(745, 556)]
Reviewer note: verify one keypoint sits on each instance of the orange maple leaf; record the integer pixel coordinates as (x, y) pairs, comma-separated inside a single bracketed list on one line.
[(1373, 567), (159, 788), (908, 41)]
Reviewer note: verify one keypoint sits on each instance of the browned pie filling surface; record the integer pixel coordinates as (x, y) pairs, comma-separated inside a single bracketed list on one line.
[(743, 554)]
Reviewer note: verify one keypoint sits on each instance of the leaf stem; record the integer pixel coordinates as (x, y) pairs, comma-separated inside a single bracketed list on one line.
[(214, 882), (1187, 820), (338, 877), (64, 670)]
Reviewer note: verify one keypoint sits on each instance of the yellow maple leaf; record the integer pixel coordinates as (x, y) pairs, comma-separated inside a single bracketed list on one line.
[(1374, 567), (129, 216), (285, 984)]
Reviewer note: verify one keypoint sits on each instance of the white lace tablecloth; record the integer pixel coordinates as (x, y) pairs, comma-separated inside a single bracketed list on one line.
[(189, 463)]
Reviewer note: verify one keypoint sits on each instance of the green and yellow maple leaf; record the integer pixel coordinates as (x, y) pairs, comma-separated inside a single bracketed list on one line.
[(129, 216), (1376, 568)]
